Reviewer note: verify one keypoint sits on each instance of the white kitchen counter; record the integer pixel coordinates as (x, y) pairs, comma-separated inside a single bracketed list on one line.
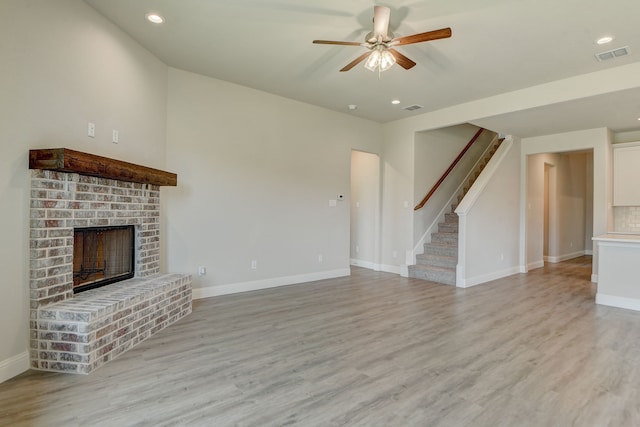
[(619, 270)]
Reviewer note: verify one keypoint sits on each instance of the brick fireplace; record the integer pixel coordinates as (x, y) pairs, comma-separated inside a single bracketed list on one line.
[(78, 333)]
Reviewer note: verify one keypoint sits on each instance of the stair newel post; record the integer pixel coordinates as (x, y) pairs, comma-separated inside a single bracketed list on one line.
[(462, 249)]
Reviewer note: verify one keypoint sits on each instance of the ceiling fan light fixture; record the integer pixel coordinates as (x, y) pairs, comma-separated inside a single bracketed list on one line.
[(373, 60), (381, 43), (380, 58), (386, 60)]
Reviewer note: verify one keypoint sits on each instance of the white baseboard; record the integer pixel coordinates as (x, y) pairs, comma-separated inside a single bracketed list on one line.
[(534, 265), (594, 278), (620, 302), (13, 366), (404, 270), (478, 280), (565, 257), (365, 264), (588, 252), (395, 269), (234, 288)]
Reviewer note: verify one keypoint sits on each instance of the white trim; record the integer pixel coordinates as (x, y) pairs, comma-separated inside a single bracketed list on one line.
[(365, 264), (588, 252), (13, 366), (460, 281), (594, 278), (534, 265), (395, 269), (462, 250), (620, 302), (478, 280), (234, 288), (565, 257), (618, 145), (404, 270)]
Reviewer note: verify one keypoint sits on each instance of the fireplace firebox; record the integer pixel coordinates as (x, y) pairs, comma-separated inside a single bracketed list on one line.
[(102, 255)]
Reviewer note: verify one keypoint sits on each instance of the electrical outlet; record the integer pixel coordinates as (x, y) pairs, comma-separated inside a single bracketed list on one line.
[(91, 130), (115, 136), (254, 264), (202, 271), (320, 258)]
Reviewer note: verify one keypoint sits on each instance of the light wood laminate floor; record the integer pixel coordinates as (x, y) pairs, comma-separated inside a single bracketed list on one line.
[(373, 349)]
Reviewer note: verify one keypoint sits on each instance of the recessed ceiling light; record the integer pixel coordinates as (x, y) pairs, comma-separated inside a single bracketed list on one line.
[(604, 40), (155, 18), (395, 102)]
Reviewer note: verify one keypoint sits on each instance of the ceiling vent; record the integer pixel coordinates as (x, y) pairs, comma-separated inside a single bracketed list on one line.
[(413, 107), (611, 54)]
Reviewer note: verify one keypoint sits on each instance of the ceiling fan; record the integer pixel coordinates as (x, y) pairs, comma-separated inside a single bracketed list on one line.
[(380, 43)]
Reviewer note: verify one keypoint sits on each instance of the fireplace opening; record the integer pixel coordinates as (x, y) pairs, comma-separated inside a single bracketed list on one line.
[(102, 255)]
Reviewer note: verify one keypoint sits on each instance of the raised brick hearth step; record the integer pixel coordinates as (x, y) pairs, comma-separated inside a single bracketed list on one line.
[(82, 333)]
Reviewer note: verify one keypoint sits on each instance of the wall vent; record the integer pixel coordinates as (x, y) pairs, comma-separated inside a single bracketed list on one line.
[(413, 107), (611, 54)]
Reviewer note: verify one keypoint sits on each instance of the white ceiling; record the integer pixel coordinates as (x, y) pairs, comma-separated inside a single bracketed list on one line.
[(497, 46)]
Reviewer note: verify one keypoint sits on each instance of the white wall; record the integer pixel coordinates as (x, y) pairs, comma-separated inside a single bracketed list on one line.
[(397, 195), (365, 210), (63, 65), (588, 208), (256, 174), (490, 223), (572, 200), (535, 205)]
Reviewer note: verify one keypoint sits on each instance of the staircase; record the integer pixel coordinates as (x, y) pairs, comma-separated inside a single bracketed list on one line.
[(440, 257)]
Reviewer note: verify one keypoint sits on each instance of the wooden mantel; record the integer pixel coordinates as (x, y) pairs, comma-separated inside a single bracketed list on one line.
[(65, 160)]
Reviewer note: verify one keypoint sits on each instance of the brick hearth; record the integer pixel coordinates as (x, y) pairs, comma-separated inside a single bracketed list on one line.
[(79, 334)]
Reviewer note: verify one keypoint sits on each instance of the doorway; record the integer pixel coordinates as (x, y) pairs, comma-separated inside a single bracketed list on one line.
[(560, 204)]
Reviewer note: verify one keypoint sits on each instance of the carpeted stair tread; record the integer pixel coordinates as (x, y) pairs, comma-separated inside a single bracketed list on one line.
[(446, 261)]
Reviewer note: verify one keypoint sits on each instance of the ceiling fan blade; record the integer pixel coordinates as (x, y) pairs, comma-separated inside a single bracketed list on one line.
[(381, 22), (338, 43), (402, 60), (422, 37), (355, 62)]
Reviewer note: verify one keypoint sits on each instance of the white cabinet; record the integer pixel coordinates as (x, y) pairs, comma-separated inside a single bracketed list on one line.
[(626, 174)]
